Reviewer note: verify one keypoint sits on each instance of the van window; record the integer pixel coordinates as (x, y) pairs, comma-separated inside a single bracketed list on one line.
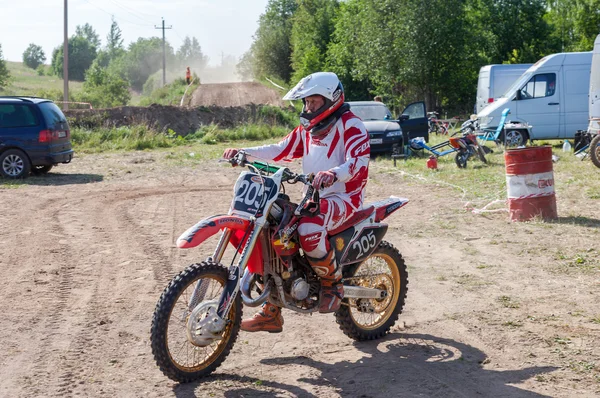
[(17, 115), (542, 85), (53, 115)]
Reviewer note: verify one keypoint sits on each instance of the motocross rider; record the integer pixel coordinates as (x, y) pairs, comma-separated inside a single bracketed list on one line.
[(334, 145)]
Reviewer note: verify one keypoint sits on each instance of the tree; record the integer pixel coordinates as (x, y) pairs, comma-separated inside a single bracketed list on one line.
[(34, 56), (81, 55), (86, 31), (4, 73), (190, 53), (309, 40), (143, 58), (271, 48), (104, 89), (114, 41)]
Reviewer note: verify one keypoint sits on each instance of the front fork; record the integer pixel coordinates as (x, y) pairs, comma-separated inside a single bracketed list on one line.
[(232, 286)]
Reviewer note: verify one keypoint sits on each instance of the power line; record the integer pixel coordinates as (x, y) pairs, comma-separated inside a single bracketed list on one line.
[(130, 11), (113, 15)]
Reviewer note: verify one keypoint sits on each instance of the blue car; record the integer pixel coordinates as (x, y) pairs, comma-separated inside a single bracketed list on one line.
[(385, 132), (34, 136)]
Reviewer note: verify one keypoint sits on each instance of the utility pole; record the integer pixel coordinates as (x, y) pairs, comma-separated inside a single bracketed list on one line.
[(66, 63), (164, 50)]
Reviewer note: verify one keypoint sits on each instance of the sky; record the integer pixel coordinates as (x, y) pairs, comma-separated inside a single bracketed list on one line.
[(222, 27)]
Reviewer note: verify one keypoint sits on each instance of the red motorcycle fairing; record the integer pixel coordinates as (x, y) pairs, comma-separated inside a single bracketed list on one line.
[(208, 227), (213, 225), (385, 207)]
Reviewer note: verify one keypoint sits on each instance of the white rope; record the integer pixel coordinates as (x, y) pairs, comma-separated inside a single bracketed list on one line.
[(466, 203)]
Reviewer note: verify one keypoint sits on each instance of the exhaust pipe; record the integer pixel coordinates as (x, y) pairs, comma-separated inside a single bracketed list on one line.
[(247, 284)]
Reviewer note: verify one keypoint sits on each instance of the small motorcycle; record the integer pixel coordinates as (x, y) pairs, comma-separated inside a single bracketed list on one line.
[(467, 145), (197, 318)]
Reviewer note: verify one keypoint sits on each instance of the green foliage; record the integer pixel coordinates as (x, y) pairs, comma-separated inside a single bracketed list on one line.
[(190, 53), (41, 70), (141, 137), (170, 94), (34, 56), (4, 73), (81, 55), (271, 49), (253, 132), (88, 33), (114, 41), (143, 58), (104, 89), (410, 50), (309, 40)]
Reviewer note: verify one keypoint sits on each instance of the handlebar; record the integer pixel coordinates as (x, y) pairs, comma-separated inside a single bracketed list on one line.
[(310, 203)]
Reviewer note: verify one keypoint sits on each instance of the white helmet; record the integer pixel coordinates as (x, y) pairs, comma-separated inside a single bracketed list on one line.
[(327, 85)]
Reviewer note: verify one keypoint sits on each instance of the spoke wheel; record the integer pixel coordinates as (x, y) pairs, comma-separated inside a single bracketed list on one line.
[(368, 319), (178, 356), (461, 159)]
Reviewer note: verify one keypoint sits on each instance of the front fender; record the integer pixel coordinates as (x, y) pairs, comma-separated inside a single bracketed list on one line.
[(208, 227)]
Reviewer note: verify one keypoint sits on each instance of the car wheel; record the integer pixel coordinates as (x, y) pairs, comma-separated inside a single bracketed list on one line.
[(42, 169), (514, 138), (14, 164)]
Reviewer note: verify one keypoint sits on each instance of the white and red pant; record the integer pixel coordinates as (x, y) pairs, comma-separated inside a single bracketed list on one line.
[(313, 230)]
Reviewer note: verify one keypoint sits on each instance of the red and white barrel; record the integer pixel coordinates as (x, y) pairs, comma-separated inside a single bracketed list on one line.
[(530, 183)]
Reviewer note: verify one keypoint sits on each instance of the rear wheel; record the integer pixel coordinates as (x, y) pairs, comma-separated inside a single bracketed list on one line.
[(369, 319), (14, 164), (192, 296), (595, 150)]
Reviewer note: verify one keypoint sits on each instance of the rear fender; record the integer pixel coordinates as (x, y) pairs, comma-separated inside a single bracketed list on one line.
[(209, 227), (384, 208)]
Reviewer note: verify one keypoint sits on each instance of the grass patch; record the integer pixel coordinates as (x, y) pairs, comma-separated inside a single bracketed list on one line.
[(507, 302), (144, 138), (170, 94)]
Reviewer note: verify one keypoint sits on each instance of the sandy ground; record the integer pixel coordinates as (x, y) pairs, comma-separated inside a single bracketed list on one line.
[(494, 308), (236, 94)]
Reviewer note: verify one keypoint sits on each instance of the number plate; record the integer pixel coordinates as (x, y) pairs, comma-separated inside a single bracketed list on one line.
[(376, 141), (252, 193), (62, 134)]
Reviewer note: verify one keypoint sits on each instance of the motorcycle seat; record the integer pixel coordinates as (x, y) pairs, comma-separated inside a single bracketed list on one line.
[(352, 221)]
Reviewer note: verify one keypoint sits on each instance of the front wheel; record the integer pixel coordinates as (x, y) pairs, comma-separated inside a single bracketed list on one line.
[(595, 150), (369, 319), (461, 159), (192, 296)]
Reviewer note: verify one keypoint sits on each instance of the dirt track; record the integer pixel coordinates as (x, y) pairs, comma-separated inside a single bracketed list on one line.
[(87, 250), (236, 94)]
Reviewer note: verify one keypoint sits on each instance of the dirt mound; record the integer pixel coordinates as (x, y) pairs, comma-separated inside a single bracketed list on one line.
[(181, 120), (236, 94)]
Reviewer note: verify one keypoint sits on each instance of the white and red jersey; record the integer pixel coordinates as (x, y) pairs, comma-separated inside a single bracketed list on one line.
[(345, 151)]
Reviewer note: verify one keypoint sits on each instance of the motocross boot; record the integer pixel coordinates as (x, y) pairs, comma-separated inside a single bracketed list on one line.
[(332, 290), (268, 319)]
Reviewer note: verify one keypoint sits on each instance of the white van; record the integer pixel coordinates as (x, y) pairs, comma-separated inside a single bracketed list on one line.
[(551, 96), (594, 126), (494, 80)]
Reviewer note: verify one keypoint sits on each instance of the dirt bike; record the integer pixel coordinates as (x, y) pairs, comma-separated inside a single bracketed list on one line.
[(467, 145), (197, 318)]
